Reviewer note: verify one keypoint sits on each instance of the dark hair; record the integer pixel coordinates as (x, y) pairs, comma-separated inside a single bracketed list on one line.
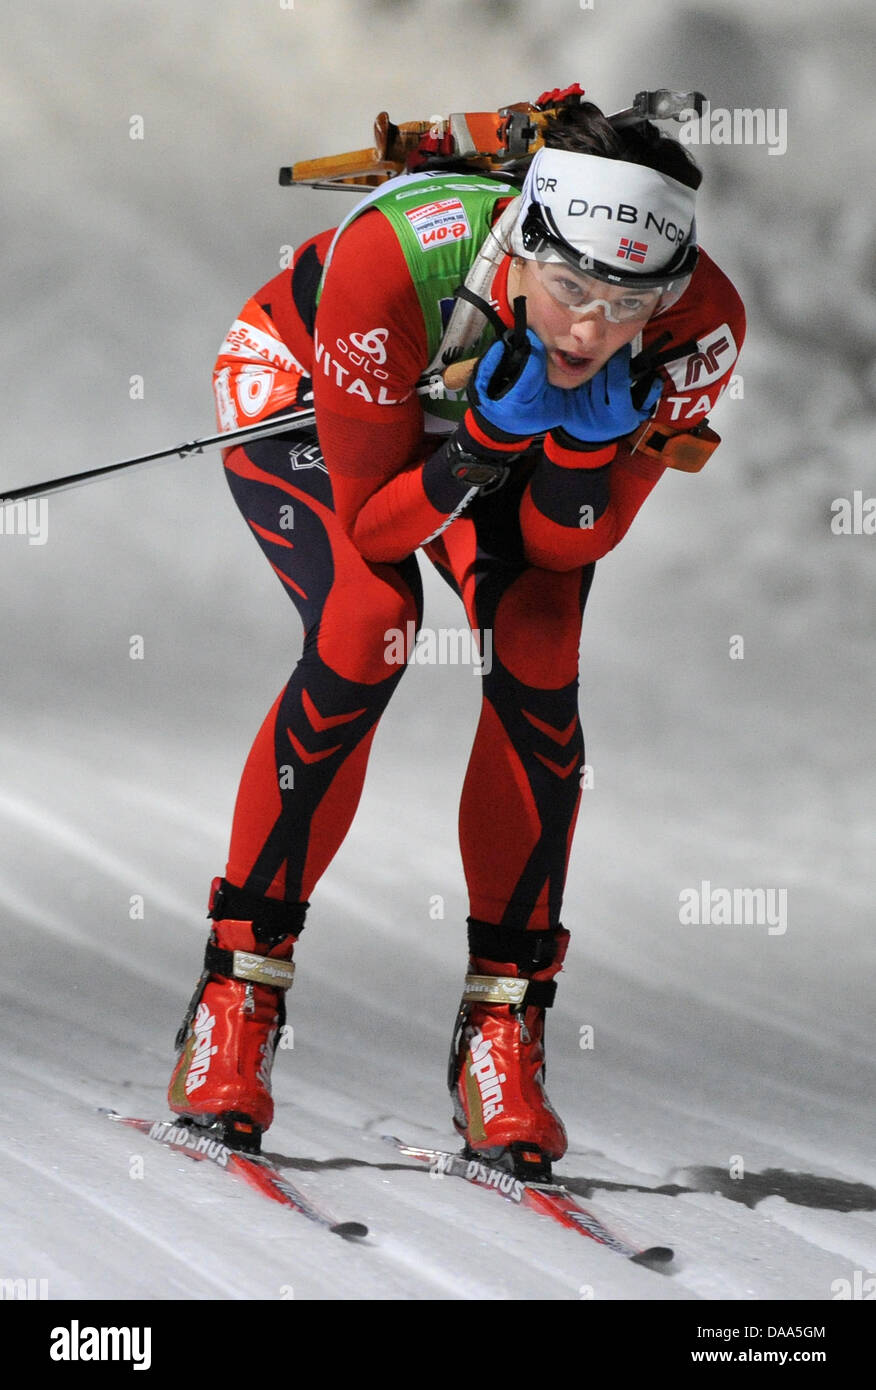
[(583, 129)]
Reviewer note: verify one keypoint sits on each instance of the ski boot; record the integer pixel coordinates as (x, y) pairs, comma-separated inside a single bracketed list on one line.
[(497, 1062), (222, 1078)]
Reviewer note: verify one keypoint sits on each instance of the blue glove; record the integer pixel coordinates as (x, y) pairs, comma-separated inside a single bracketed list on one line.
[(603, 408), (526, 405)]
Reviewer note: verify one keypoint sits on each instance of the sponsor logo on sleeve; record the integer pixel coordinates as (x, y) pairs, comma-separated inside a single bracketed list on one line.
[(252, 387), (436, 223), (364, 346), (224, 400), (363, 364), (714, 356), (245, 340)]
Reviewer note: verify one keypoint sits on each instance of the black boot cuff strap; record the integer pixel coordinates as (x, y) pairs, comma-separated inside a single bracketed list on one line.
[(271, 918), (528, 950)]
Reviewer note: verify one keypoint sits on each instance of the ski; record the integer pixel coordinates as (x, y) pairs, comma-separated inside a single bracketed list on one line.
[(198, 1143), (549, 1199)]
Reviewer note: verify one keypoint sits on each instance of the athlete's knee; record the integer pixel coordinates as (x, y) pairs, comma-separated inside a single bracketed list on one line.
[(367, 632), (537, 628)]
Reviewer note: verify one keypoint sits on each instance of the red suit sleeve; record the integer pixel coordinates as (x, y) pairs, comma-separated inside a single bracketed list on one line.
[(581, 501), (577, 506), (370, 349), (263, 367)]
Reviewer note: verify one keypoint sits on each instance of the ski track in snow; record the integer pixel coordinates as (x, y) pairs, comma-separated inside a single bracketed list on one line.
[(88, 1020)]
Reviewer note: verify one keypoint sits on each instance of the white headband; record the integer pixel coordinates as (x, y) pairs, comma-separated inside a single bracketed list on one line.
[(626, 216)]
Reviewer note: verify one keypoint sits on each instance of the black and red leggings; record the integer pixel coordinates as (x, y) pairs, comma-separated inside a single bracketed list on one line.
[(303, 778)]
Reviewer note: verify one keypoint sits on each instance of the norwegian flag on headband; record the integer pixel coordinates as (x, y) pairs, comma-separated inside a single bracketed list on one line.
[(632, 250)]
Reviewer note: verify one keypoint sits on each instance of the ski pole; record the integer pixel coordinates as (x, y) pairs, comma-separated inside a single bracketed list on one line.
[(302, 419), (432, 384)]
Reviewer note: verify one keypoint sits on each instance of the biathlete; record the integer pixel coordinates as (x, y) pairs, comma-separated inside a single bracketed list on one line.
[(513, 491)]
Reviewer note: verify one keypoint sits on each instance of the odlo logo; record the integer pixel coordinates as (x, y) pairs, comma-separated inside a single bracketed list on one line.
[(374, 343), (203, 1049), (483, 1069)]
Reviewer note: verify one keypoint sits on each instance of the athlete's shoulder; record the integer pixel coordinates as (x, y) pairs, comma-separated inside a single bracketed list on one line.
[(710, 301), (712, 293), (708, 324), (366, 272)]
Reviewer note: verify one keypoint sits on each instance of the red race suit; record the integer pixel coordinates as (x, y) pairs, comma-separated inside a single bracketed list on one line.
[(340, 517)]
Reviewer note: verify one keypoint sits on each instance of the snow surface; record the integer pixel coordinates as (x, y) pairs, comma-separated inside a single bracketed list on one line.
[(713, 1045)]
